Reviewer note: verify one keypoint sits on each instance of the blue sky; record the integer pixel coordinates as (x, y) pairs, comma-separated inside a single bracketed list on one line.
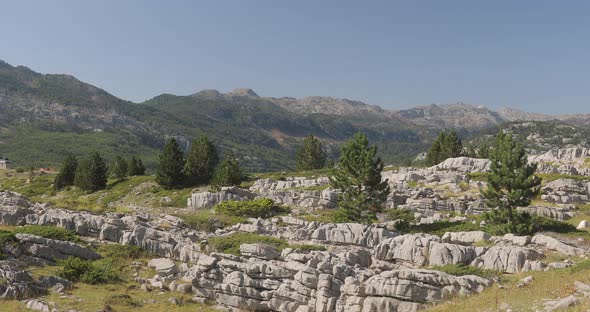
[(533, 55)]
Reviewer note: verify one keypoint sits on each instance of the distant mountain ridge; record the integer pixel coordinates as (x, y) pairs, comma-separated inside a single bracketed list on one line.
[(44, 116)]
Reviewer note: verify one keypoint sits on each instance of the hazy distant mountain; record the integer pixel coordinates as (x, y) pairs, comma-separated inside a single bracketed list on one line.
[(42, 117)]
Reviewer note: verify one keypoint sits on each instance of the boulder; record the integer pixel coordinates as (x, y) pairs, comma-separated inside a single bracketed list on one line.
[(261, 251), (556, 245), (52, 249), (465, 238), (163, 266)]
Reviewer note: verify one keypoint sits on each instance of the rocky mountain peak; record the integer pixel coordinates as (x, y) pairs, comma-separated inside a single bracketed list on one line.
[(243, 92), (208, 93)]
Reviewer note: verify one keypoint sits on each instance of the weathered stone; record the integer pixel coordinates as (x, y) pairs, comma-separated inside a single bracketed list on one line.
[(163, 266), (52, 249), (261, 251)]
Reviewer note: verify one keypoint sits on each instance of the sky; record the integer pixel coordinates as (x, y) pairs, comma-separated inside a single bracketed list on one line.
[(529, 54)]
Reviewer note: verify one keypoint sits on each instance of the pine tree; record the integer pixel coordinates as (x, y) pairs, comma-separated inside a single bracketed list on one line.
[(228, 173), (452, 145), (170, 166), (67, 173), (311, 155), (511, 184), (201, 161), (446, 145), (118, 168), (358, 176), (91, 173), (135, 166), (434, 155)]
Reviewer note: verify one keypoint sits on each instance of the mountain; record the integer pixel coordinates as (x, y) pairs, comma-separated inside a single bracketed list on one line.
[(44, 116)]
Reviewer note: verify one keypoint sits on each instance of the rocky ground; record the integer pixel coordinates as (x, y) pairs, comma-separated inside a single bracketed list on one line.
[(298, 262)]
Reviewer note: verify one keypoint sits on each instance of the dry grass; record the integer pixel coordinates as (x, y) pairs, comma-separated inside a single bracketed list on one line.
[(547, 285)]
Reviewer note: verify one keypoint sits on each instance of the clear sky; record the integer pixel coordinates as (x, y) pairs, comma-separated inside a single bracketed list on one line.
[(533, 55)]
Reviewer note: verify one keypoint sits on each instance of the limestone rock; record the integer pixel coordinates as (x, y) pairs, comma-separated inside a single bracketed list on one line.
[(261, 251)]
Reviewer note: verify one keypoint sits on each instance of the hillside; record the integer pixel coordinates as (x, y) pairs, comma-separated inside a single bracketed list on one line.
[(44, 116)]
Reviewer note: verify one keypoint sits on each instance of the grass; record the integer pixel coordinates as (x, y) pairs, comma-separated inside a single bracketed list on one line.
[(119, 194), (51, 232), (441, 227), (550, 177), (551, 284), (478, 176), (231, 244), (208, 221), (323, 215), (461, 269)]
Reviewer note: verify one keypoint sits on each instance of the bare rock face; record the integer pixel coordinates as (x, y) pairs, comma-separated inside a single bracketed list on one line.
[(260, 251), (556, 245), (466, 238), (350, 234), (51, 249), (209, 199), (464, 164), (17, 284), (510, 259)]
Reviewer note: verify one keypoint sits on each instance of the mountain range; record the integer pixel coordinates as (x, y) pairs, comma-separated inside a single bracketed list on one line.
[(45, 116)]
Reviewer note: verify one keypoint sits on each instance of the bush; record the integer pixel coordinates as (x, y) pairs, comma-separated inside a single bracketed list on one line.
[(124, 300), (305, 247), (51, 232), (117, 252), (441, 227), (404, 217), (78, 270), (231, 244), (258, 208), (209, 222), (6, 237), (498, 222), (543, 224), (462, 269)]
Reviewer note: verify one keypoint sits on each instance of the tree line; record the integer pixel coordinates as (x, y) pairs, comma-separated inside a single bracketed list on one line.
[(91, 173)]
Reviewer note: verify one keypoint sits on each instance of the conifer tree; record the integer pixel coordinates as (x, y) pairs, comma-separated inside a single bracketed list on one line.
[(118, 168), (91, 173), (135, 166), (446, 145), (201, 161), (511, 184), (358, 176), (228, 173), (311, 155), (67, 173), (170, 166)]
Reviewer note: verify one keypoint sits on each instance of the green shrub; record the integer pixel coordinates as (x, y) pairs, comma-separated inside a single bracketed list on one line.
[(78, 270), (580, 266), (231, 244), (258, 208), (208, 221), (117, 252), (403, 216), (305, 247), (51, 232), (6, 237), (441, 227), (462, 269)]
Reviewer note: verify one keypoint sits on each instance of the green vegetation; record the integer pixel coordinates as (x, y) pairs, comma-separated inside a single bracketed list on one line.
[(51, 232), (135, 166), (257, 208), (404, 217), (201, 161), (511, 184), (441, 227), (478, 176), (228, 173), (78, 270), (118, 168), (67, 173), (311, 155), (549, 177), (358, 175), (231, 244), (91, 173), (208, 220), (446, 145), (462, 269), (117, 253), (170, 167)]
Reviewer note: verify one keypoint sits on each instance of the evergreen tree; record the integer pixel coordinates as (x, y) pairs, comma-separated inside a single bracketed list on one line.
[(311, 155), (201, 161), (452, 145), (170, 166), (67, 173), (135, 166), (118, 168), (434, 155), (91, 173), (358, 176), (511, 184), (446, 145), (228, 173)]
